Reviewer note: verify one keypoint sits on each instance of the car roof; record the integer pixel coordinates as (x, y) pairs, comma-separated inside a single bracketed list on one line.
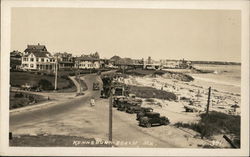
[(153, 113), (148, 108)]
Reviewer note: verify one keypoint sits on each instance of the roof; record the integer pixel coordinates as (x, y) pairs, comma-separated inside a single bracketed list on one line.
[(63, 55), (39, 53), (147, 108), (87, 58), (37, 50)]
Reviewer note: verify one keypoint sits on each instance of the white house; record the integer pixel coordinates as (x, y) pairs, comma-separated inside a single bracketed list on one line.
[(36, 57), (87, 62), (65, 60)]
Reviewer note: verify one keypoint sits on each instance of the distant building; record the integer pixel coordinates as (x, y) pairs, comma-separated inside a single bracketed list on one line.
[(65, 60), (105, 63), (15, 60), (87, 62), (170, 64), (36, 57), (184, 64)]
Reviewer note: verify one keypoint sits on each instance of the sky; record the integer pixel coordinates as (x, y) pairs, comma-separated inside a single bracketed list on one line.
[(209, 35)]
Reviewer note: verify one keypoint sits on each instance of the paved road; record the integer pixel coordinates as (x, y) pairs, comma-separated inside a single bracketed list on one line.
[(63, 108), (76, 117)]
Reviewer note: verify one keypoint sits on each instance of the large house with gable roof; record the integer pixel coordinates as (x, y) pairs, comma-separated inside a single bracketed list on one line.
[(36, 57)]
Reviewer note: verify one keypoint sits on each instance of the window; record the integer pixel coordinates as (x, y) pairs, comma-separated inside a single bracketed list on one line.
[(31, 65), (42, 60), (31, 59), (37, 59), (25, 65)]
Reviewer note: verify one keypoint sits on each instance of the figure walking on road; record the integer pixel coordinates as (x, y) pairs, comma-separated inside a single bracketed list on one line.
[(92, 101)]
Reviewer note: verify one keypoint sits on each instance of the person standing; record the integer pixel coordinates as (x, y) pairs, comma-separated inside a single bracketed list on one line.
[(92, 101)]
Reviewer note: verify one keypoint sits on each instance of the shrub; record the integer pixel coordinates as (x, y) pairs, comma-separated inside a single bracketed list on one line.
[(149, 92), (45, 84), (18, 95), (216, 123)]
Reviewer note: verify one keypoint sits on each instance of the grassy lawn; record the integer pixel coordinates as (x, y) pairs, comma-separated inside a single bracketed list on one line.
[(20, 99), (55, 141), (20, 78), (216, 123)]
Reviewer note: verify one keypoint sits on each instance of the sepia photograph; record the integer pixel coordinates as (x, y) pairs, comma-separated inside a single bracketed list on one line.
[(125, 77)]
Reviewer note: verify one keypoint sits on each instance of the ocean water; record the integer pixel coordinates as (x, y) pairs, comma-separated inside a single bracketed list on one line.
[(223, 74)]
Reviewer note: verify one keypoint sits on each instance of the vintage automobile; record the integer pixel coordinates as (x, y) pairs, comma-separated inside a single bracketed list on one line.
[(152, 118), (26, 86), (132, 96), (96, 86), (133, 109), (118, 99), (143, 111), (118, 91), (125, 104), (136, 108)]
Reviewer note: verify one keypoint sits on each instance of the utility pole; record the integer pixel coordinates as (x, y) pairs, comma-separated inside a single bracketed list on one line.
[(79, 80), (110, 115), (208, 99), (56, 75), (204, 132)]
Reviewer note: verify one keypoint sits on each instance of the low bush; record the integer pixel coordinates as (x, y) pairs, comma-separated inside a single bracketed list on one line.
[(45, 84), (149, 92), (26, 99), (18, 95), (216, 123)]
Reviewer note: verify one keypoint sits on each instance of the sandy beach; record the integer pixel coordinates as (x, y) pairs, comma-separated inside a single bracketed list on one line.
[(223, 94)]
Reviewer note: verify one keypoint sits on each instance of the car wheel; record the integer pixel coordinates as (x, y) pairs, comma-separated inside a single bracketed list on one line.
[(165, 122), (148, 125)]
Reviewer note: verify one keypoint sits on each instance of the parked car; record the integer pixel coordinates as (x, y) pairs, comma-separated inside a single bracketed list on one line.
[(133, 109), (26, 86), (143, 111), (153, 118), (118, 99), (125, 104), (132, 96)]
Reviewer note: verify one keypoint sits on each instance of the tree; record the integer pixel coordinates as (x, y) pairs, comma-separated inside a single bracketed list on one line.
[(95, 55)]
